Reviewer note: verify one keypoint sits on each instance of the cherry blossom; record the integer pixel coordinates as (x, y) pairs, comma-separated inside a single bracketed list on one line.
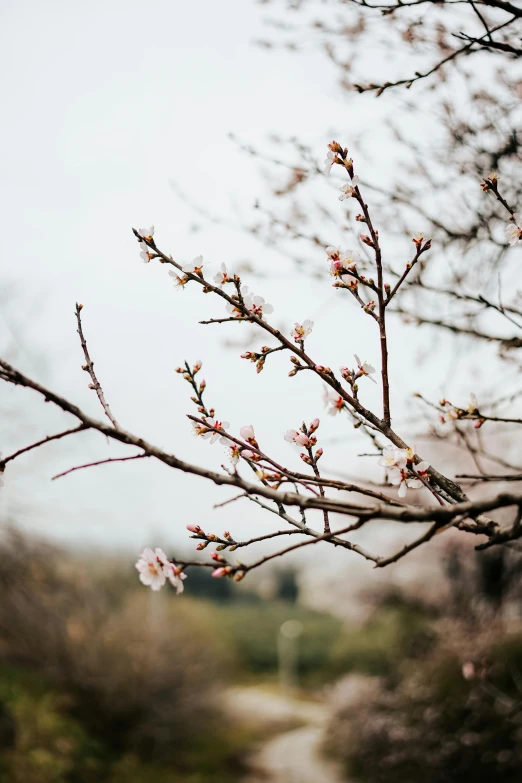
[(145, 255), (347, 191), (257, 305), (365, 368), (194, 528), (301, 331), (392, 457), (146, 233), (253, 303), (195, 267), (151, 567), (221, 277), (178, 281), (247, 433), (294, 436), (514, 230), (221, 571), (214, 436), (175, 576), (406, 480), (333, 401), (330, 159)]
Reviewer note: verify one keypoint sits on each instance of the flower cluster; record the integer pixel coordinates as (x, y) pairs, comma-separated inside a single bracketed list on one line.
[(253, 303), (155, 568), (305, 437), (342, 263), (453, 413), (336, 154), (204, 431), (397, 462)]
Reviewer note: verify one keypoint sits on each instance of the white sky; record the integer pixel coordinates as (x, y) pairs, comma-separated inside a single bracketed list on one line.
[(104, 104)]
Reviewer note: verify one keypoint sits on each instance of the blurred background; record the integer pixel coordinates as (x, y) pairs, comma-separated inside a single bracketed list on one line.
[(211, 122)]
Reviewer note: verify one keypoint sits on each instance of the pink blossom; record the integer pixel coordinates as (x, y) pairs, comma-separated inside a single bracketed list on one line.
[(314, 425), (175, 575), (194, 528), (218, 572), (468, 670), (294, 436)]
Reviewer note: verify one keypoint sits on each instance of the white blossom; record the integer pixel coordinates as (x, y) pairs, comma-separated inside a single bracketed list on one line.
[(195, 267), (146, 233), (348, 190), (329, 161), (333, 401), (300, 331), (406, 480), (365, 368), (151, 567), (514, 230), (221, 277), (207, 434), (145, 255), (247, 433), (253, 303), (392, 457)]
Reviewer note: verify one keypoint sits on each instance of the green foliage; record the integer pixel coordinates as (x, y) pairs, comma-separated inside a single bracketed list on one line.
[(250, 630)]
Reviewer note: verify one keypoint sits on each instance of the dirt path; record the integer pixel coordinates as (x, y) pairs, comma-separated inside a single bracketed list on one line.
[(292, 756)]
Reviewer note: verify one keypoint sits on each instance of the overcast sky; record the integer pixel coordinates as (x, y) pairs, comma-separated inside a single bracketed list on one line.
[(106, 103)]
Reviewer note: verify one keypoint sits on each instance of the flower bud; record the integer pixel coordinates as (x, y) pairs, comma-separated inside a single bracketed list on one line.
[(306, 459), (218, 572), (215, 556), (238, 576), (314, 424), (203, 545), (195, 529), (366, 240), (318, 454)]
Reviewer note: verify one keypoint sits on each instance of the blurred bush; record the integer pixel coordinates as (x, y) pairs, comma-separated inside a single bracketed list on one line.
[(447, 707), (99, 683)]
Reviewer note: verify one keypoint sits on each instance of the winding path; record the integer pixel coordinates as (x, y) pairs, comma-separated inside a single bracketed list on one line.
[(291, 756)]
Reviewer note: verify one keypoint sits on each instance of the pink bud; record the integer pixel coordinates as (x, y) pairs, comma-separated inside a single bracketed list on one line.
[(318, 454), (314, 425), (217, 557), (219, 572), (366, 240), (194, 528)]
